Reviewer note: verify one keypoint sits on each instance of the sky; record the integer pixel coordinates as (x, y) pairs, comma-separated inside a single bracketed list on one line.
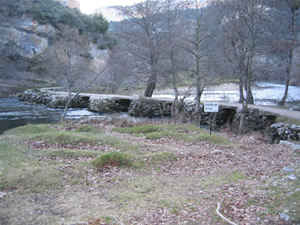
[(89, 6)]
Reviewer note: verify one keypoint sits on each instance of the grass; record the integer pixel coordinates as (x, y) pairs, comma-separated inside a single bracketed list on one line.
[(118, 159), (67, 153), (159, 158), (30, 129), (88, 129), (19, 171), (284, 197), (74, 138), (187, 133)]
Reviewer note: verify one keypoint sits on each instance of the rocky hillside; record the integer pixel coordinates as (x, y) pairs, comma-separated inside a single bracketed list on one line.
[(28, 29)]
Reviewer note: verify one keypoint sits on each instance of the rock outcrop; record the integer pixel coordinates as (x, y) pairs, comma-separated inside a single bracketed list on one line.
[(28, 34)]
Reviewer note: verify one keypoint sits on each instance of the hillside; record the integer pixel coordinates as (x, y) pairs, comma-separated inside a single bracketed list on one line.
[(28, 28)]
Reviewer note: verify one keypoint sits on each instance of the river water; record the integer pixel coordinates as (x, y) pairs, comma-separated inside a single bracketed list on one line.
[(264, 94), (14, 113)]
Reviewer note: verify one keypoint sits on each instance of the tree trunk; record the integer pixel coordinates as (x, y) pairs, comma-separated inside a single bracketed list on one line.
[(66, 107), (249, 95), (199, 91), (290, 55), (151, 84), (241, 89), (287, 84), (175, 105), (242, 123)]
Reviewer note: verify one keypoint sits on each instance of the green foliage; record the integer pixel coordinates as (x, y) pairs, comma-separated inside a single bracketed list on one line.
[(100, 23), (114, 159)]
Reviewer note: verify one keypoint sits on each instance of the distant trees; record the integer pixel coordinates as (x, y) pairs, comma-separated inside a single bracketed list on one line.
[(285, 40)]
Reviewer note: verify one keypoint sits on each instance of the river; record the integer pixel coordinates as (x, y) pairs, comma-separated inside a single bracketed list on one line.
[(14, 113)]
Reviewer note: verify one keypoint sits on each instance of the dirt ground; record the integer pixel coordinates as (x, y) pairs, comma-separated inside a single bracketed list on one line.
[(245, 177)]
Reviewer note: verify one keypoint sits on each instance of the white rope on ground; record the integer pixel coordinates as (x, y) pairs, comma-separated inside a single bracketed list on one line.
[(223, 217)]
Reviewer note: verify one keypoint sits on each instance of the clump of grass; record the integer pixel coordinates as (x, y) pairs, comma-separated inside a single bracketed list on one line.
[(88, 129), (162, 157), (118, 159), (157, 135), (30, 129)]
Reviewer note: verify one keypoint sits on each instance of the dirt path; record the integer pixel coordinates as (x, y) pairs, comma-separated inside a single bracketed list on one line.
[(271, 109)]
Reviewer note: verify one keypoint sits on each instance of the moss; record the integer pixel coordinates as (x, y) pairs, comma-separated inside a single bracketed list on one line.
[(119, 159)]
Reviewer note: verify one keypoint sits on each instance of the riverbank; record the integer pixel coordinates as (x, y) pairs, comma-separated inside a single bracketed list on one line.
[(101, 172)]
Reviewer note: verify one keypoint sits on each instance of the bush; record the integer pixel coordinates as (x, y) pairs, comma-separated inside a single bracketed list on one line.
[(114, 159)]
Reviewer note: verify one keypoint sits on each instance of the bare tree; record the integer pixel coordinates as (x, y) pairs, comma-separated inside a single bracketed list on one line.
[(143, 32), (70, 63), (196, 37), (244, 29)]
